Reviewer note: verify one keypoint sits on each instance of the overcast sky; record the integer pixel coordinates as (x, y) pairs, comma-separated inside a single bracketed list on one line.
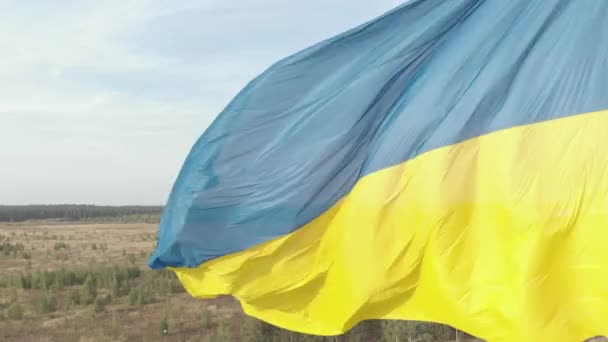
[(101, 101)]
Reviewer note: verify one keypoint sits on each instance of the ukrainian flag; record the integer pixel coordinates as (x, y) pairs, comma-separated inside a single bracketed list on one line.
[(446, 162)]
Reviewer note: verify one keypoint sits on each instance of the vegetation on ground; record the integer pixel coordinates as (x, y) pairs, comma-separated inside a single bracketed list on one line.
[(18, 213), (89, 281)]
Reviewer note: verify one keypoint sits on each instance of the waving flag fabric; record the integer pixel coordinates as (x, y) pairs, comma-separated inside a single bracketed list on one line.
[(446, 162)]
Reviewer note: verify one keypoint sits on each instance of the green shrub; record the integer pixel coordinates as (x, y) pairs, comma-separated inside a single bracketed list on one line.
[(25, 281), (414, 331), (368, 330), (12, 295), (44, 280), (99, 305), (133, 272), (60, 245), (205, 320), (115, 330), (133, 296), (286, 335), (57, 284), (163, 327), (47, 303), (89, 290), (176, 286), (9, 249), (74, 297), (253, 330), (115, 288), (435, 332), (356, 338), (145, 295), (361, 332), (15, 312), (163, 288), (223, 332)]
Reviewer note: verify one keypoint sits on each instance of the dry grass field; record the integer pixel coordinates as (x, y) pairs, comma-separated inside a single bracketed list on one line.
[(70, 281), (53, 245), (48, 312)]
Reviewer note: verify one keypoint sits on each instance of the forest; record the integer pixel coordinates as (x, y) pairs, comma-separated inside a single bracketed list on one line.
[(72, 212)]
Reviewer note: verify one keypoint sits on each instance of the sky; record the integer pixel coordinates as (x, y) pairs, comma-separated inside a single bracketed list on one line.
[(101, 101)]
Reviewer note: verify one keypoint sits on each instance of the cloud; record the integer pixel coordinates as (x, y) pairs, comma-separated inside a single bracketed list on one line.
[(102, 100)]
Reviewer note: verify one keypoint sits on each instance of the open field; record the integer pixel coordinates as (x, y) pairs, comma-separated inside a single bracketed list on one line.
[(49, 311), (70, 281), (52, 245)]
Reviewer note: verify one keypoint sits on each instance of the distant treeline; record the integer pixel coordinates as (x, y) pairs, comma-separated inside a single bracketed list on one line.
[(18, 213)]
